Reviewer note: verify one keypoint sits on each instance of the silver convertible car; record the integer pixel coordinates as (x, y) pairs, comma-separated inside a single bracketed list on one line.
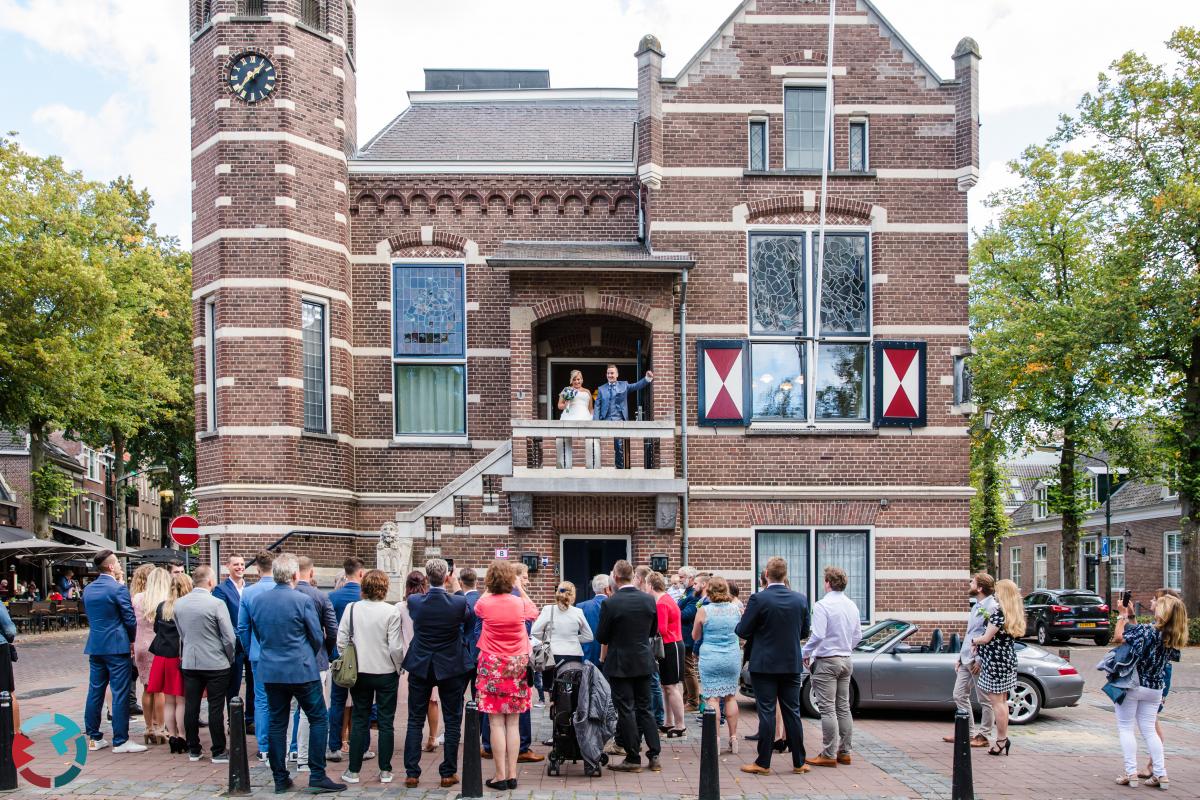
[(890, 673)]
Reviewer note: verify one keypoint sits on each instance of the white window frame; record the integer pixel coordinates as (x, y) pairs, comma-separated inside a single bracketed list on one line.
[(810, 337), (866, 123), (210, 364), (1041, 576), (1116, 563), (1167, 559), (91, 463), (328, 388), (1041, 501), (428, 438), (766, 123), (815, 588), (1014, 565), (819, 83)]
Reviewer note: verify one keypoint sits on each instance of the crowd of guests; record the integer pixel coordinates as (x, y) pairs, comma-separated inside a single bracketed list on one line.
[(667, 647)]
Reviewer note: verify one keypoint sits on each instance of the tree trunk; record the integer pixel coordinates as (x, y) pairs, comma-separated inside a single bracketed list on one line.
[(1070, 512), (991, 488), (37, 458), (118, 446), (1188, 502)]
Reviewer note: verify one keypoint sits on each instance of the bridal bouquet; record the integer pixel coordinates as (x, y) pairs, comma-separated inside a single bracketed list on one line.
[(568, 394)]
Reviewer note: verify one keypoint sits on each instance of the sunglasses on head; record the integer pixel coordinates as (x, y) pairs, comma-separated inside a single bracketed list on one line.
[(562, 590)]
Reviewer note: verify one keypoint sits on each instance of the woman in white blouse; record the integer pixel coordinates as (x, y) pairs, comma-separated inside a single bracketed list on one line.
[(379, 644), (563, 625)]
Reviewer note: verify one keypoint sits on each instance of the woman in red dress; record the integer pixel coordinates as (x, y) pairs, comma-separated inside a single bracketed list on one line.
[(166, 675), (670, 666), (502, 681)]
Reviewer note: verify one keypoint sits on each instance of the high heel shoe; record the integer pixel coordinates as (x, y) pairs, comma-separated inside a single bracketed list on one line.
[(676, 733), (997, 748), (733, 745)]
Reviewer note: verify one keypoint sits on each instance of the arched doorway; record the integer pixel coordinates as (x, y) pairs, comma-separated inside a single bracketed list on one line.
[(589, 343)]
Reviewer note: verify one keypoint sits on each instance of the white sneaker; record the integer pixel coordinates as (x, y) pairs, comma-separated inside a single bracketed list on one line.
[(194, 757), (97, 744), (293, 756), (350, 777), (385, 777), (369, 754), (303, 768), (262, 757), (130, 747)]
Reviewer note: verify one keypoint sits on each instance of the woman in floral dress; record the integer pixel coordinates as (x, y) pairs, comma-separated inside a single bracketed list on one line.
[(997, 655)]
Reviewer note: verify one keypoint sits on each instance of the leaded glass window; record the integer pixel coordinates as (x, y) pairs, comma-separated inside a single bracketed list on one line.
[(777, 301), (758, 145), (803, 127), (429, 310), (858, 146), (316, 367), (844, 285)]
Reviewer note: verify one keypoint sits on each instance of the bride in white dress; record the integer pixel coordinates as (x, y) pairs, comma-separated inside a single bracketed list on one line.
[(575, 403)]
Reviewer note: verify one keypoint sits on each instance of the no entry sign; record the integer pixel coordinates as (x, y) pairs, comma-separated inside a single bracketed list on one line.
[(185, 530)]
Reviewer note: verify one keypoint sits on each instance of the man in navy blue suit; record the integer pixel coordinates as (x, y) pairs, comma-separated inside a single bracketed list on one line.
[(112, 628), (775, 621), (612, 403), (467, 579), (230, 591), (349, 592), (437, 657), (601, 589), (285, 624)]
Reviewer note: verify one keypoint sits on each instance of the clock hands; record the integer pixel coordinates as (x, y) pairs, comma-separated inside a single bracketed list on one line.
[(251, 75)]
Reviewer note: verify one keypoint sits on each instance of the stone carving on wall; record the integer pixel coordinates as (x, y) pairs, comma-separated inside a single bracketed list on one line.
[(393, 554)]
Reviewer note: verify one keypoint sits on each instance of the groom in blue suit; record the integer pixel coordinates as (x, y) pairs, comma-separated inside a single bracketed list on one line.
[(612, 403)]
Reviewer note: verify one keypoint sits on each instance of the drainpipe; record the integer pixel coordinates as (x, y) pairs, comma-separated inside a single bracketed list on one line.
[(683, 412)]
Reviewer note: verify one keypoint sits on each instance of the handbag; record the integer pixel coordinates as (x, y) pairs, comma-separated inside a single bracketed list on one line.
[(542, 657), (658, 648), (345, 667)]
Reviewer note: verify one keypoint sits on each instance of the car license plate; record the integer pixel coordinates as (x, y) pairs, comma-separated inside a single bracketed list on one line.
[(1087, 624)]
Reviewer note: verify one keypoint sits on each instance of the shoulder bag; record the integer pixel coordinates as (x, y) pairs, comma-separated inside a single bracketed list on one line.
[(543, 657), (345, 668)]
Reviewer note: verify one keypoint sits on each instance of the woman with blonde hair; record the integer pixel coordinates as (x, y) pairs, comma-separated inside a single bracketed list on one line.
[(1153, 647), (564, 627), (166, 674), (997, 654), (150, 586)]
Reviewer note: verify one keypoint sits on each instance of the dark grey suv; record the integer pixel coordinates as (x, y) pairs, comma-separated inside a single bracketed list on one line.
[(1056, 615)]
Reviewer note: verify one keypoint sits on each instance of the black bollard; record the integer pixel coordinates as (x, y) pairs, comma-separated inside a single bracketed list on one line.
[(710, 772), (239, 764), (472, 766), (8, 768), (964, 784)]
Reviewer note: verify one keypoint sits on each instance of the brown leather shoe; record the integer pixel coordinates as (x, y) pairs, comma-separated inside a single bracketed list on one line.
[(625, 766), (753, 769), (485, 753), (949, 738), (529, 757), (979, 741), (843, 758), (411, 782), (821, 761), (800, 770), (449, 781)]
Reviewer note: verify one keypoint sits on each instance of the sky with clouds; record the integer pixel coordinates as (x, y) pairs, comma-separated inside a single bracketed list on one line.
[(104, 83)]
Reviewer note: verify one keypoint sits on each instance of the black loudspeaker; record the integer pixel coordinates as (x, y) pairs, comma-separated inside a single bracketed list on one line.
[(659, 563), (532, 561)]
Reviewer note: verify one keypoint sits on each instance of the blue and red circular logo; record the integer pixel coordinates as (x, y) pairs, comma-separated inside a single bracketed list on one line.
[(69, 735)]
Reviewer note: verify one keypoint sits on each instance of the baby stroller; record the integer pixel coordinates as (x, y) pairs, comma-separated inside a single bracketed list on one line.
[(564, 701)]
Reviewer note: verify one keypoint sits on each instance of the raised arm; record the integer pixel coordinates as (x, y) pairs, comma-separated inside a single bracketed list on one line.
[(698, 627)]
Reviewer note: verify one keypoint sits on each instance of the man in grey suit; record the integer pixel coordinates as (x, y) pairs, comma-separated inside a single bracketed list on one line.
[(612, 403), (208, 642)]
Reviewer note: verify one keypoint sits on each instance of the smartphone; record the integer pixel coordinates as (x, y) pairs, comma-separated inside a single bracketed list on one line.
[(1127, 598)]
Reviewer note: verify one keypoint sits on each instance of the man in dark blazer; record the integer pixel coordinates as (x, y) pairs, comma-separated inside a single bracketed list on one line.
[(775, 622), (307, 583), (111, 630), (349, 592), (627, 621), (612, 403), (437, 656), (229, 591), (285, 624), (467, 580)]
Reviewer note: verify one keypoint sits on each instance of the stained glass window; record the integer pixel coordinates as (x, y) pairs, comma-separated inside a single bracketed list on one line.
[(858, 146), (777, 285), (758, 145), (803, 127), (844, 285), (429, 310)]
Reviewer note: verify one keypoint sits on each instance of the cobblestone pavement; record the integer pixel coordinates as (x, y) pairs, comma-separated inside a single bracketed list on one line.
[(1069, 753)]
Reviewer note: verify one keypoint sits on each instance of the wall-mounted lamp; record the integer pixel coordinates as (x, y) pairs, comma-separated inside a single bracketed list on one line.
[(1128, 536)]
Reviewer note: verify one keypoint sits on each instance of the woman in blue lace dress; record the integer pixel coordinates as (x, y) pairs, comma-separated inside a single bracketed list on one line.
[(720, 653)]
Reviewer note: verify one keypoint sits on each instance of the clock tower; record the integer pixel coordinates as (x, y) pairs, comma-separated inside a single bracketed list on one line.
[(273, 124)]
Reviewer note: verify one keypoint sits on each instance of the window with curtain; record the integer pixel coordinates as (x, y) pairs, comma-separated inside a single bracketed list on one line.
[(1116, 561), (758, 145), (1014, 565), (1039, 566), (314, 334), (848, 550), (1173, 558), (429, 347), (792, 370), (792, 547), (803, 127)]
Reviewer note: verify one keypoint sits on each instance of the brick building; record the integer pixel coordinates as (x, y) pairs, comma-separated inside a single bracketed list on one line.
[(382, 332), (1145, 550)]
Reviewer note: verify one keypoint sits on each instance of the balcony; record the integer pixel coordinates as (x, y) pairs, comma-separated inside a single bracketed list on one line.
[(568, 457)]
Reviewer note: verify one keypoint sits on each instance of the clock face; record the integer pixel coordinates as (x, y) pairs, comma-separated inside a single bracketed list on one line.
[(252, 77)]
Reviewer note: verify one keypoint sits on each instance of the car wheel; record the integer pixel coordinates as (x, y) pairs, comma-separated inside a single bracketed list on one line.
[(806, 704), (1024, 702), (1043, 635), (1103, 639)]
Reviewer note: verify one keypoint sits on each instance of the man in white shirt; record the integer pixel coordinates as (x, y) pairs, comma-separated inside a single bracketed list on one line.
[(836, 631), (967, 667)]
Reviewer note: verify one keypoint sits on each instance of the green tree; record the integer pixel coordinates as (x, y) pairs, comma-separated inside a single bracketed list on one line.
[(989, 523), (1145, 121), (1050, 315), (58, 328)]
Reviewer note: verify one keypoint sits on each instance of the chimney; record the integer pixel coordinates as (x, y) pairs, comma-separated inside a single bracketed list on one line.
[(966, 113), (649, 121)]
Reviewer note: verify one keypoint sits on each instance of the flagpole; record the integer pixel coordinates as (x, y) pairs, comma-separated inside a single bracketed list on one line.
[(826, 143)]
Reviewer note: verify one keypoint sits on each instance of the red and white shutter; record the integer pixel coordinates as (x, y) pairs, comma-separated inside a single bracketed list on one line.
[(900, 383), (724, 382)]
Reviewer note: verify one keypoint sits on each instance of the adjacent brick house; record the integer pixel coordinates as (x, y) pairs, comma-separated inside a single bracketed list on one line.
[(382, 332)]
